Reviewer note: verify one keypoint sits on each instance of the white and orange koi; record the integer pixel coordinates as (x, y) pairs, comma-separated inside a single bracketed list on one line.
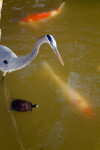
[(71, 94)]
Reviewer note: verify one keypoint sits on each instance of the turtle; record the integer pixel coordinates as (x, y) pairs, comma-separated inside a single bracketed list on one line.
[(22, 105)]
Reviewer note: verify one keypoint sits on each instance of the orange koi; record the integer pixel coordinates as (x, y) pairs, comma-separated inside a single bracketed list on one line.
[(40, 16), (71, 94)]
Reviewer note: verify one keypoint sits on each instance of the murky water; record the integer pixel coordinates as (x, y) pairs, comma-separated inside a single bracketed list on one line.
[(57, 124)]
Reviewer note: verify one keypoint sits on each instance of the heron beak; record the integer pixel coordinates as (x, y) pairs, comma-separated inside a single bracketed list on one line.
[(58, 55)]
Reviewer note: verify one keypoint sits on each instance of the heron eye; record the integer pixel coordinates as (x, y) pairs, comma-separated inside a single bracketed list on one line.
[(5, 61)]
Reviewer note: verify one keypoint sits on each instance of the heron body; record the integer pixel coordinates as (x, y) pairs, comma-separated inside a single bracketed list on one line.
[(9, 61)]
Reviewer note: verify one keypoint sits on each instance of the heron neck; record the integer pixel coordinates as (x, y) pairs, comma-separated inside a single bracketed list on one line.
[(25, 60), (34, 52)]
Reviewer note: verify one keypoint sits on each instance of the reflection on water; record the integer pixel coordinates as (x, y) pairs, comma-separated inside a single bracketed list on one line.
[(1, 1), (55, 124), (5, 92)]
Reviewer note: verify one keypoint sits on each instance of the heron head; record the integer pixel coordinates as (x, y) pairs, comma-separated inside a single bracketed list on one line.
[(53, 45)]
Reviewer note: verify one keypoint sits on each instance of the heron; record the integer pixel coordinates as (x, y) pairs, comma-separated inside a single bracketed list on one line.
[(9, 61)]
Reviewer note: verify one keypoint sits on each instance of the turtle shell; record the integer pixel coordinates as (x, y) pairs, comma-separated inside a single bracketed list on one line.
[(21, 105)]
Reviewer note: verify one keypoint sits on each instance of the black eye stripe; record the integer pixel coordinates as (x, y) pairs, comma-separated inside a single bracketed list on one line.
[(5, 61), (49, 37)]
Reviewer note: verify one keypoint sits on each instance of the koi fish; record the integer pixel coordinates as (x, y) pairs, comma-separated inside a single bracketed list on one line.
[(40, 16), (22, 105), (70, 93)]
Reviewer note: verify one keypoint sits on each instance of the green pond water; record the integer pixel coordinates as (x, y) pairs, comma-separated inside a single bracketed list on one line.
[(57, 124)]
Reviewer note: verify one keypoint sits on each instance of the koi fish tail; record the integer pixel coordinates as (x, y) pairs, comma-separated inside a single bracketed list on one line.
[(88, 111), (62, 5)]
